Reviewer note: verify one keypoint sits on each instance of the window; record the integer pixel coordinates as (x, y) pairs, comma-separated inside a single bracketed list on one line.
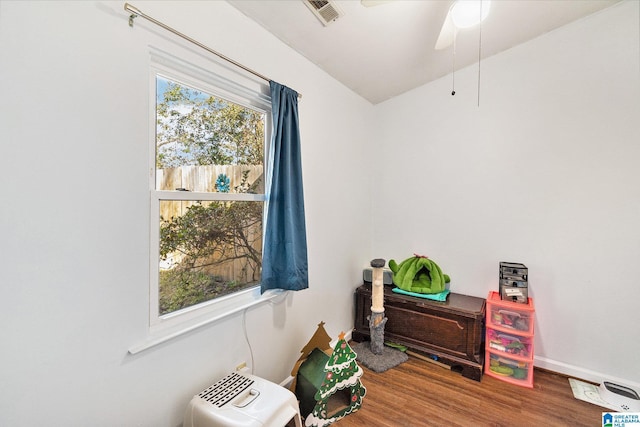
[(207, 193)]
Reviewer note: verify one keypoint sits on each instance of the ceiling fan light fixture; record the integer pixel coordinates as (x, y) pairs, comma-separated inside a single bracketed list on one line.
[(466, 13)]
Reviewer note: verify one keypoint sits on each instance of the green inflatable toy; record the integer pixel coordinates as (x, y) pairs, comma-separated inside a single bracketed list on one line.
[(418, 274)]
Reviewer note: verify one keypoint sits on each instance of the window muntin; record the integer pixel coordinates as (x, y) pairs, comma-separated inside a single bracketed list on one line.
[(207, 198)]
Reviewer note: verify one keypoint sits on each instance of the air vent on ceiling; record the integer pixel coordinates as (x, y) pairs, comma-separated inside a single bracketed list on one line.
[(326, 11)]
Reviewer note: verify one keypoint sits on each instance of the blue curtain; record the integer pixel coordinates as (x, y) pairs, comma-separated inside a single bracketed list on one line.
[(284, 254)]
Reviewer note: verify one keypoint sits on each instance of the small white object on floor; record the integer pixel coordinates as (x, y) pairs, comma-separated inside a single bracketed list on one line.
[(608, 395), (624, 398)]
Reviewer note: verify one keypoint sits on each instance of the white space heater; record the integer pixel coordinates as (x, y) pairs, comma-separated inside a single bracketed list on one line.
[(243, 400)]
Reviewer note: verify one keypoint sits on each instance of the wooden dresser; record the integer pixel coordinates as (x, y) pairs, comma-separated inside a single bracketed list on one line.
[(450, 332)]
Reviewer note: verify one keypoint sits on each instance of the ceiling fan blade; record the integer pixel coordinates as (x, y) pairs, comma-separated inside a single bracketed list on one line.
[(447, 33)]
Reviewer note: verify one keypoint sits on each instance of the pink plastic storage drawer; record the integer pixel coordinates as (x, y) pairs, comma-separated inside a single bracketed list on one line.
[(511, 370), (510, 316), (509, 343)]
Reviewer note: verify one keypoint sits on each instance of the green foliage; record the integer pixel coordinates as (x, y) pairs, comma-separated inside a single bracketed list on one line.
[(209, 234), (180, 288), (213, 228), (194, 128)]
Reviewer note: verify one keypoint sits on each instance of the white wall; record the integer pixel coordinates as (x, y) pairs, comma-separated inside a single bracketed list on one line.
[(544, 172), (74, 217)]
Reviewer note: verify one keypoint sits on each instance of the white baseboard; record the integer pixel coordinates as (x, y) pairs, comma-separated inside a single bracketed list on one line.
[(580, 373), (287, 382)]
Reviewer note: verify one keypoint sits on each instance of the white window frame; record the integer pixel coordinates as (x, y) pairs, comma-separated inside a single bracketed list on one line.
[(219, 80)]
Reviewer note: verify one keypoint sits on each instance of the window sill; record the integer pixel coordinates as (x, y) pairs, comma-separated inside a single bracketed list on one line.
[(163, 336)]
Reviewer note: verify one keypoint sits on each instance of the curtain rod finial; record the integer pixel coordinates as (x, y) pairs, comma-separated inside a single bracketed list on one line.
[(134, 13)]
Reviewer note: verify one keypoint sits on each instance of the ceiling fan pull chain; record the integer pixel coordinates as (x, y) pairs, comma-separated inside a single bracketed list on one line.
[(453, 66), (479, 51)]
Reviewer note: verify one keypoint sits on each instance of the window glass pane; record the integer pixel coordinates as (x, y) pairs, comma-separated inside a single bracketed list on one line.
[(205, 143), (207, 249)]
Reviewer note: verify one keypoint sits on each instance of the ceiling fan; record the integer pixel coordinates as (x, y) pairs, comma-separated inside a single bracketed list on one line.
[(462, 14)]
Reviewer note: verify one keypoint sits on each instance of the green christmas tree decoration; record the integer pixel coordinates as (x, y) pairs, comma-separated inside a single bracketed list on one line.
[(342, 378)]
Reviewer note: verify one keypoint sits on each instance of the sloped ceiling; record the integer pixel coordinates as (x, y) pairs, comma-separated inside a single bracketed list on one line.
[(384, 50)]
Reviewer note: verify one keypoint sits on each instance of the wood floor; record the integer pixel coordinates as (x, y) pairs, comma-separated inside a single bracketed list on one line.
[(418, 393)]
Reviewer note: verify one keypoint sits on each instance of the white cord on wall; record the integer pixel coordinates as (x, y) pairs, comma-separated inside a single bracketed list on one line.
[(246, 337), (272, 295)]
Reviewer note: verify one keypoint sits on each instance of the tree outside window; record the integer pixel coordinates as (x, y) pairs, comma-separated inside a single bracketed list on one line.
[(209, 173)]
